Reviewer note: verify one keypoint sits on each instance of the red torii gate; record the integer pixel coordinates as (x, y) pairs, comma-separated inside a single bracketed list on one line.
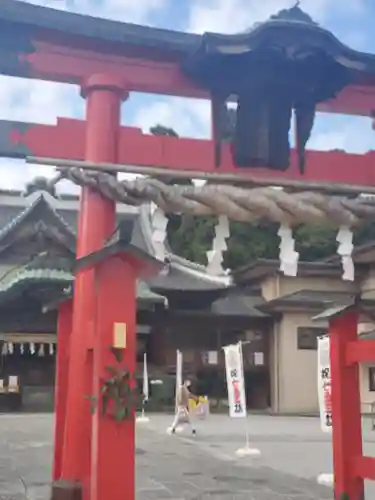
[(93, 453)]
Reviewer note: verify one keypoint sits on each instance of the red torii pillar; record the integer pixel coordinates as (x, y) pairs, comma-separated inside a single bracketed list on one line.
[(350, 466), (64, 328), (346, 408), (104, 94)]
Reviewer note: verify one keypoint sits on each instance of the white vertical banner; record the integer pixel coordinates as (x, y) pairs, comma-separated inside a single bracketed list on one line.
[(145, 378), (235, 381), (324, 384), (324, 397), (179, 365), (236, 392)]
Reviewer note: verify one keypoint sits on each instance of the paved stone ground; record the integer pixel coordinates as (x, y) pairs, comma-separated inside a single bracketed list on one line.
[(182, 467)]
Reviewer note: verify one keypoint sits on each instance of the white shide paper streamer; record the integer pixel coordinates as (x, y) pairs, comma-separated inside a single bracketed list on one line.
[(345, 249), (288, 256), (159, 224), (219, 246)]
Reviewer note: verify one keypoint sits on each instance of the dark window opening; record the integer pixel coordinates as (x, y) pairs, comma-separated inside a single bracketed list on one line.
[(307, 338)]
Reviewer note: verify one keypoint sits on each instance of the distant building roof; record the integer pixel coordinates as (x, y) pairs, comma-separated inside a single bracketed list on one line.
[(315, 299)]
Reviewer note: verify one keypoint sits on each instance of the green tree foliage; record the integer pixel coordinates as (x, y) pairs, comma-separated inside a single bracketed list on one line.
[(191, 237)]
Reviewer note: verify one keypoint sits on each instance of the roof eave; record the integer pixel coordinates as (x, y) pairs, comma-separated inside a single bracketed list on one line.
[(55, 22)]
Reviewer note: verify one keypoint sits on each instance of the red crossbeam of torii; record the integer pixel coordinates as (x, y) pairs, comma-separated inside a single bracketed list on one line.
[(66, 140)]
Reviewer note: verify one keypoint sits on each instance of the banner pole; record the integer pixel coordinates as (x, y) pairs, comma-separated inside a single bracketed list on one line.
[(246, 451), (179, 381), (247, 442)]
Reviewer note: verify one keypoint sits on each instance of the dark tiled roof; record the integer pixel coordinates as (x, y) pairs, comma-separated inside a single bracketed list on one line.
[(176, 279), (40, 209), (260, 268), (310, 298), (235, 304)]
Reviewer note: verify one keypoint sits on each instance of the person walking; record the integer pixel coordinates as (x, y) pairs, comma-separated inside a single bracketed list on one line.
[(182, 410)]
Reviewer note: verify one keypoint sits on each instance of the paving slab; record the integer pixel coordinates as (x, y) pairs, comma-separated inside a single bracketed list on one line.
[(184, 467)]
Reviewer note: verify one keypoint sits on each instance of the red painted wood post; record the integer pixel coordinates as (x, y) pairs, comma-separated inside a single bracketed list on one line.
[(104, 94), (346, 408), (64, 328), (113, 445)]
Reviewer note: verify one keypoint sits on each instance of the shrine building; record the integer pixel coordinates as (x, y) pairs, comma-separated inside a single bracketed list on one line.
[(184, 307)]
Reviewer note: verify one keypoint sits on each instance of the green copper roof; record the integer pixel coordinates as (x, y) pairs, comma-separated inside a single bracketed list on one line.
[(23, 277)]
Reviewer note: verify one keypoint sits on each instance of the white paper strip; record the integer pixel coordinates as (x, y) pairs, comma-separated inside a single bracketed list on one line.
[(235, 381), (219, 246), (288, 256), (159, 224), (345, 249), (324, 384)]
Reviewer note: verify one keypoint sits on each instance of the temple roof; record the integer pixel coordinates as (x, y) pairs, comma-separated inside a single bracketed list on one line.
[(42, 213), (260, 268), (38, 216), (290, 29)]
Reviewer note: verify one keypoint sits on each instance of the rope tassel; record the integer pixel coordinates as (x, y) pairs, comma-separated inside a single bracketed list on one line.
[(345, 249), (219, 246), (288, 256)]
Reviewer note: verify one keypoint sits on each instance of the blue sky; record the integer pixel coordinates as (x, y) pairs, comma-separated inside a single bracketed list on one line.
[(351, 20)]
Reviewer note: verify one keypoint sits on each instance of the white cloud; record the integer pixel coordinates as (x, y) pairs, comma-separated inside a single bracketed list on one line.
[(188, 117), (33, 101), (120, 10), (42, 102), (353, 134), (232, 16)]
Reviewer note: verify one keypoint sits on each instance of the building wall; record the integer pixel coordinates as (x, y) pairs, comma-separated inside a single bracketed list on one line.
[(294, 371), (367, 396)]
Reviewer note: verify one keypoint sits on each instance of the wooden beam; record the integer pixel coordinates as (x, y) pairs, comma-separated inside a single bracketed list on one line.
[(360, 351), (65, 140), (239, 178)]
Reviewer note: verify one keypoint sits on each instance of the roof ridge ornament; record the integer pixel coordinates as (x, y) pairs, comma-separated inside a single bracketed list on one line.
[(293, 14)]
